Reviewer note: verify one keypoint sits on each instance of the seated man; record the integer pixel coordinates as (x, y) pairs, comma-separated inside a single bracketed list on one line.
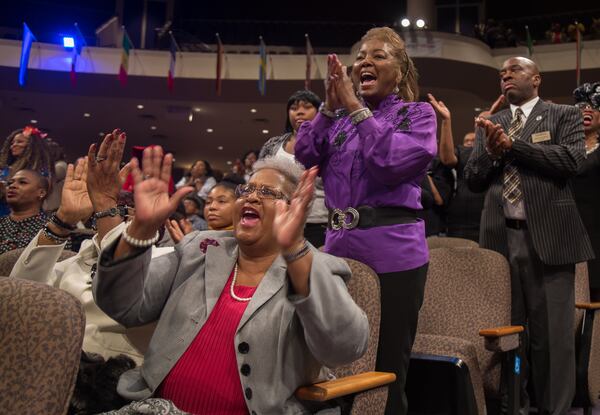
[(244, 318)]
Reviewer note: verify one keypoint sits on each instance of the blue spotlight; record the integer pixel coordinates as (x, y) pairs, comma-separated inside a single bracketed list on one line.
[(68, 42)]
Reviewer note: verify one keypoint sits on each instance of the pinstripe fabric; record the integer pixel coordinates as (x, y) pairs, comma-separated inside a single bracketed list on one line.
[(512, 183), (545, 169)]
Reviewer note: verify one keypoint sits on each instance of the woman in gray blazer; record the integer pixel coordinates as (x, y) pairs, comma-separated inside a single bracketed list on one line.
[(244, 318)]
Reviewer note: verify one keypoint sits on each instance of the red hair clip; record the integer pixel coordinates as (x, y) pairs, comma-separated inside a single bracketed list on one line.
[(29, 130)]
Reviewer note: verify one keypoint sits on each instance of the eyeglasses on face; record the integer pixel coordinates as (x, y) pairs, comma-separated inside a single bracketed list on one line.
[(263, 192), (584, 105)]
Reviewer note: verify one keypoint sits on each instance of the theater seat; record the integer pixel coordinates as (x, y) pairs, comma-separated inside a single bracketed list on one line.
[(41, 332), (9, 259), (450, 242), (358, 389), (467, 296)]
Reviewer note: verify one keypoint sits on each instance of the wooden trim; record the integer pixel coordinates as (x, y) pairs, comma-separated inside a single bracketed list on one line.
[(501, 331), (348, 385), (587, 306)]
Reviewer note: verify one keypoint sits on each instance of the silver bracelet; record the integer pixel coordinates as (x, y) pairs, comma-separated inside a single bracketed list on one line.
[(298, 254), (360, 115), (138, 243), (323, 110)]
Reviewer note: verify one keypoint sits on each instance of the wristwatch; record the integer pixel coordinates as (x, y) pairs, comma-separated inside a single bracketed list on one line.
[(112, 212)]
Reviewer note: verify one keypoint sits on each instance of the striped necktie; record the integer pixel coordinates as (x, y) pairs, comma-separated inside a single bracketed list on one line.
[(511, 190)]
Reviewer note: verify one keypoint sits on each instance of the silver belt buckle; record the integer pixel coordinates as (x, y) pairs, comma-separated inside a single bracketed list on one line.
[(338, 219)]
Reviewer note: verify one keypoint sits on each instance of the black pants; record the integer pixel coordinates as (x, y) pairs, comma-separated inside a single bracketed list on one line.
[(401, 299), (543, 300)]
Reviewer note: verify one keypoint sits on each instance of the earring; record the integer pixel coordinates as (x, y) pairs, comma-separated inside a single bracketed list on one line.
[(396, 90)]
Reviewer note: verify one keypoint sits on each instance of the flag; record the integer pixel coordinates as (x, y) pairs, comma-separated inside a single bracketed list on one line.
[(578, 45), (79, 44), (309, 53), (173, 52), (219, 64), (262, 68), (127, 46), (28, 39), (529, 41)]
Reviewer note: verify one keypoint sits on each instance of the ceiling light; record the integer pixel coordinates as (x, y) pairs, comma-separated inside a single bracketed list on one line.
[(229, 162), (477, 109), (253, 110), (153, 127), (405, 22), (197, 109), (68, 42), (140, 107), (420, 23), (87, 114), (209, 130), (220, 147), (265, 131), (191, 117), (101, 133), (33, 121)]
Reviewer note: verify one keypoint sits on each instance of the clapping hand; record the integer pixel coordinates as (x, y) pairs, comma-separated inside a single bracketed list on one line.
[(75, 203), (288, 225), (151, 192), (439, 107), (178, 230), (497, 142), (338, 87)]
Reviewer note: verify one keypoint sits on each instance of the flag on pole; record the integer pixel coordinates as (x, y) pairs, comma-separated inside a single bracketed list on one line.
[(219, 64), (529, 41), (28, 39), (124, 68), (262, 68), (578, 45), (173, 51), (309, 53), (79, 44)]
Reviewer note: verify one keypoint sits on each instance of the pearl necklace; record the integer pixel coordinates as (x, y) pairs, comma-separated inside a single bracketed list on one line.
[(231, 291)]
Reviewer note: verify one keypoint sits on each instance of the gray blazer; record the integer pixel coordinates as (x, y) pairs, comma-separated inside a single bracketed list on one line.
[(286, 340), (545, 169)]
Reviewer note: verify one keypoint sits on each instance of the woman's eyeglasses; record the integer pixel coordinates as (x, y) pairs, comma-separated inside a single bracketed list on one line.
[(263, 192)]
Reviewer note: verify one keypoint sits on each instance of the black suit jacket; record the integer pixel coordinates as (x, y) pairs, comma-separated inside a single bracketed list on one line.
[(545, 169)]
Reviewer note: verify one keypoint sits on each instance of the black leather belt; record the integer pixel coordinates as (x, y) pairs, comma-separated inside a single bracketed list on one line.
[(369, 217), (516, 224)]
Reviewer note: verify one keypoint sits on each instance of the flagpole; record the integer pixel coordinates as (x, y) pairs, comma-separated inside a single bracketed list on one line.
[(578, 54), (174, 41)]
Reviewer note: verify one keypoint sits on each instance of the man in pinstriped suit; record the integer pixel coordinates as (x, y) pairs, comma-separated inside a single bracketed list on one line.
[(524, 157)]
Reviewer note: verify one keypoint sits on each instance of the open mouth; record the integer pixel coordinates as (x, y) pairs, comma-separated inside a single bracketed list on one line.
[(367, 79), (299, 122), (250, 217), (587, 119)]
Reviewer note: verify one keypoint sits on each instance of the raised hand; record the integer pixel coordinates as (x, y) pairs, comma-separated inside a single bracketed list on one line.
[(151, 192), (75, 203), (498, 104), (288, 225), (104, 179), (332, 101), (439, 107), (178, 230)]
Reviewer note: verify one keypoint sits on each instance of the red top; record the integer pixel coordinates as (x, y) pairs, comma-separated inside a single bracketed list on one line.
[(206, 379)]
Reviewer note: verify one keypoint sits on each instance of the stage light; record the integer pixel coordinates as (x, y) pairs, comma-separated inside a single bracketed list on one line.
[(405, 22), (420, 23), (68, 42)]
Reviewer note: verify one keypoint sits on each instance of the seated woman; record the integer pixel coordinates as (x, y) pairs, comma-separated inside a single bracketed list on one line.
[(38, 262), (218, 210), (244, 319), (25, 196), (200, 176), (194, 212)]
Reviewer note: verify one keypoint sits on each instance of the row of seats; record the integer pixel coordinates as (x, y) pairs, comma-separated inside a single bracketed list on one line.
[(468, 289)]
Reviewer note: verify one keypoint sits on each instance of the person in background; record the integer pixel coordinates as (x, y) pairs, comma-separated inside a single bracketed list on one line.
[(24, 148), (200, 176), (25, 196), (587, 181), (218, 209), (439, 183), (302, 106), (194, 211), (249, 159), (373, 143), (464, 210)]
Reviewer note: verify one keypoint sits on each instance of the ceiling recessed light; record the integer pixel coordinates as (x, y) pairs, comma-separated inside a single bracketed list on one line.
[(191, 117), (101, 133), (477, 109), (265, 131), (140, 107), (87, 114), (197, 109), (209, 130), (220, 147), (229, 162), (33, 121), (153, 127), (253, 110)]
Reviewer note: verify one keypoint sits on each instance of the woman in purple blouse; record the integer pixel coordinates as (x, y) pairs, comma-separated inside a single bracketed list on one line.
[(372, 143)]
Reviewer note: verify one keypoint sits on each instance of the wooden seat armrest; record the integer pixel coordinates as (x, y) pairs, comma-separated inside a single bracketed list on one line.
[(587, 306), (348, 385), (501, 331)]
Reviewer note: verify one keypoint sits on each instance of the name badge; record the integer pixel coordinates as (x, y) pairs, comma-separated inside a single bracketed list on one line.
[(540, 137)]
